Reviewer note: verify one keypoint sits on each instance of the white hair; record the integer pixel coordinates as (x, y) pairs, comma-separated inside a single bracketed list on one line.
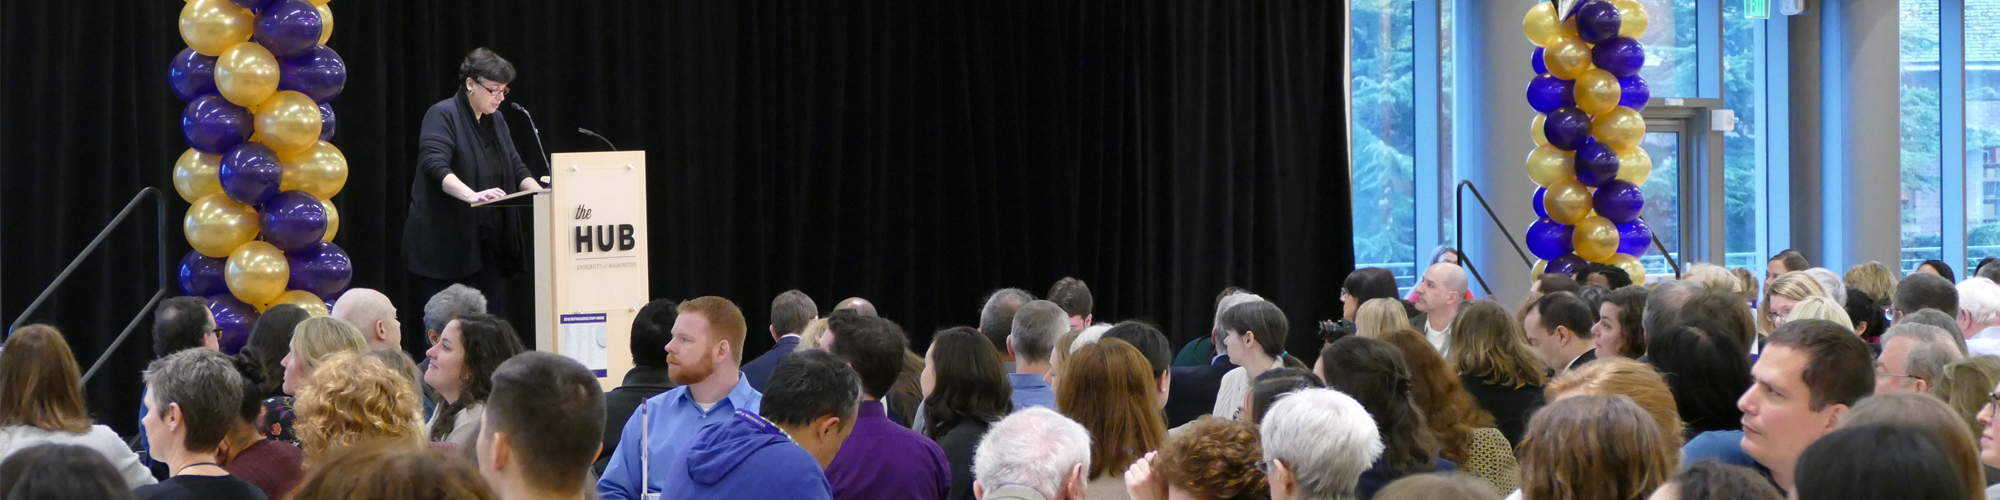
[(1036, 448), (1830, 281), (1232, 300), (1091, 334), (1934, 348), (1980, 298), (1817, 307), (1325, 437)]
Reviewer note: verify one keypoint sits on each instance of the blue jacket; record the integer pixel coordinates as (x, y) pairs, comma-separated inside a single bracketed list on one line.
[(675, 419), (744, 457), (759, 370)]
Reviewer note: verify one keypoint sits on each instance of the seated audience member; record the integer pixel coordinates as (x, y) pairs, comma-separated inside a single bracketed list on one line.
[(179, 323), (1558, 326), (1033, 454), (1074, 298), (1783, 294), (783, 452), (313, 341), (1254, 334), (1664, 303), (1373, 372), (1438, 486), (1637, 382), (448, 304), (1786, 261), (1380, 316), (1194, 389), (1934, 267), (1878, 462), (1873, 279), (61, 471), (371, 313), (1821, 308), (1272, 386), (398, 361), (1316, 445), (1153, 344), (1927, 414), (647, 378), (1036, 326), (1364, 285), (1809, 376), (1829, 282), (790, 313), (1713, 278), (1556, 282), (1438, 294), (1593, 296), (1197, 352), (274, 467), (1618, 332), (39, 381), (352, 399), (1109, 389), (1214, 459), (1706, 370), (809, 339), (539, 433), (1497, 366), (703, 357), (193, 395), (1935, 318), (1465, 434), (1746, 284), (1913, 357), (462, 364), (1965, 385), (1729, 313), (1712, 480), (1058, 355), (965, 391), (1595, 446), (1983, 268), (270, 342), (1920, 291), (881, 458), (1979, 315), (394, 471), (1608, 276), (996, 320), (1866, 315)]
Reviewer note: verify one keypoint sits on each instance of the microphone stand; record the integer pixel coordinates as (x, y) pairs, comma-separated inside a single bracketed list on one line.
[(607, 142), (549, 168)]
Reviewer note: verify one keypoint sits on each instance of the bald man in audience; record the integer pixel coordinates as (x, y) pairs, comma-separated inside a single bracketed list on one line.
[(859, 305), (1443, 288), (371, 312)]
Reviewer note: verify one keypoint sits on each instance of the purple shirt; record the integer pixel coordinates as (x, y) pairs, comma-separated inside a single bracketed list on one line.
[(884, 460)]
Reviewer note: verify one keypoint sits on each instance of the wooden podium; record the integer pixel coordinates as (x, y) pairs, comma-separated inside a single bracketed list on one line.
[(591, 271)]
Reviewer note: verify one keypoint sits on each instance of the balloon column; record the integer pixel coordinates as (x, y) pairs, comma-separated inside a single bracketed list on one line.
[(1587, 158), (259, 173)]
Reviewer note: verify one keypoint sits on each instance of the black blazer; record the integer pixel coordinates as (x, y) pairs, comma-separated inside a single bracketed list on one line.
[(441, 236), (1510, 406), (641, 383), (1192, 393), (958, 444), (758, 371)]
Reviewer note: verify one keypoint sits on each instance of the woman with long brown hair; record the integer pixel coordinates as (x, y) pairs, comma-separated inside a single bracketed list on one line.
[(965, 391), (1465, 433), (1372, 371), (41, 402), (1108, 387), (1593, 448), (1496, 365), (1634, 380)]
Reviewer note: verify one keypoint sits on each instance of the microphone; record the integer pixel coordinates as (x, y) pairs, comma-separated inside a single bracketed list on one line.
[(551, 168), (607, 142)]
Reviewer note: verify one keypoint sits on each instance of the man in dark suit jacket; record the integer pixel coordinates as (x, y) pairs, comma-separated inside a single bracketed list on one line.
[(790, 313), (1193, 391), (652, 328)]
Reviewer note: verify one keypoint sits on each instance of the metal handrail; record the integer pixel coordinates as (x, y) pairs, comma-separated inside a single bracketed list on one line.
[(1458, 204), (160, 204), (1663, 253)]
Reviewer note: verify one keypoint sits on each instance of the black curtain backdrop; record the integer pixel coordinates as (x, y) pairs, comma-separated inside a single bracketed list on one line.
[(919, 154)]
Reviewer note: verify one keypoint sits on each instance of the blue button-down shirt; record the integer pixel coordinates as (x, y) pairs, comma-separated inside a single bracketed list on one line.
[(1030, 390), (675, 418)]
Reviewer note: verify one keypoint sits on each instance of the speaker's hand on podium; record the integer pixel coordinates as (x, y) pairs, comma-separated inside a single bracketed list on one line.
[(484, 195)]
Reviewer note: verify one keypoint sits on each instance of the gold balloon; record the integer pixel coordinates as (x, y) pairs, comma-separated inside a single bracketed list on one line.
[(325, 22), (1632, 23), (247, 74), (321, 3), (1596, 239), (1621, 128), (332, 220), (1567, 202), (216, 225), (289, 123), (1540, 267), (1634, 166), (1632, 267), (1567, 57), (305, 300), (1597, 91), (194, 175), (212, 26), (257, 272), (1548, 165), (320, 170), (1541, 24), (1535, 130)]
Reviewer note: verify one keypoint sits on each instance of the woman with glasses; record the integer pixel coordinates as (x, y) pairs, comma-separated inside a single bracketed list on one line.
[(464, 156)]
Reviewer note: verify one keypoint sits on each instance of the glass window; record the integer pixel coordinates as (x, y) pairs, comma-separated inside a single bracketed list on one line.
[(1663, 208), (1982, 129), (1447, 177), (1384, 135), (1922, 203), (1671, 32), (1742, 165)]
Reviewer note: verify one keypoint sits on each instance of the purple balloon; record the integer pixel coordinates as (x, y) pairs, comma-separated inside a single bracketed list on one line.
[(288, 27), (1597, 21), (191, 75), (250, 174), (212, 125), (1622, 56), (326, 122), (1567, 128), (1549, 239), (321, 268), (1634, 92), (1541, 212), (235, 318), (1546, 93), (1536, 62), (1634, 238), (1619, 201), (292, 220), (1596, 164), (318, 73), (1567, 264), (201, 275), (252, 4)]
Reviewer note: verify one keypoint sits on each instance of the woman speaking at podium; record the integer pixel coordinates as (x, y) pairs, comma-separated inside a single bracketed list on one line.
[(466, 156)]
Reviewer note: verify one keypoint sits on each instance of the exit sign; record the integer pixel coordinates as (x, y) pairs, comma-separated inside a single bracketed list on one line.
[(1757, 9)]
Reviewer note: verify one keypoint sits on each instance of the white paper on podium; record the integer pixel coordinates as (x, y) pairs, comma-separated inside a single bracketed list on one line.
[(583, 338)]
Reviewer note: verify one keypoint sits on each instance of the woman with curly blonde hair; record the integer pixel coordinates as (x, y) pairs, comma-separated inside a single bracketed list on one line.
[(353, 398)]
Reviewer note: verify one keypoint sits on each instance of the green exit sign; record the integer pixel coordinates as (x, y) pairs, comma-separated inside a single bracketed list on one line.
[(1757, 9)]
